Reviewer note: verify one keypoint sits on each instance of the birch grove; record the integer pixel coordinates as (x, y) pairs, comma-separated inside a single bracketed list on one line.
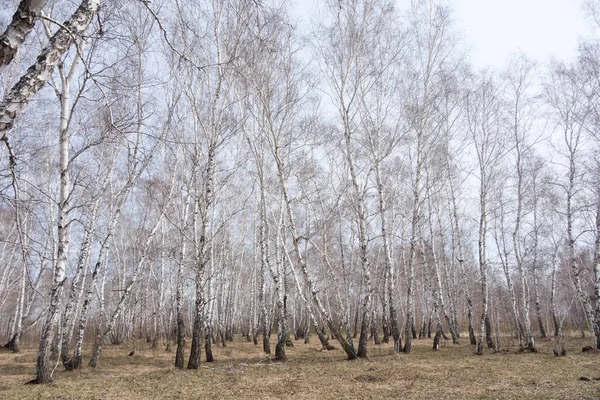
[(190, 172)]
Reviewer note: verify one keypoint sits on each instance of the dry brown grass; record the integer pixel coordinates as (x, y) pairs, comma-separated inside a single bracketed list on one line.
[(242, 371)]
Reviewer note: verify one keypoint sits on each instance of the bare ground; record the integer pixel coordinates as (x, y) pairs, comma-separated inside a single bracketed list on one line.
[(243, 372)]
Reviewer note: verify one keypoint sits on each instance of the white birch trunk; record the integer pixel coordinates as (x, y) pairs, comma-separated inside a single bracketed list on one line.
[(43, 367), (481, 245), (23, 22), (37, 75)]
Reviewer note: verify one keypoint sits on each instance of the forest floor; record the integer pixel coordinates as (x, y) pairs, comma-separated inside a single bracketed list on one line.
[(242, 371)]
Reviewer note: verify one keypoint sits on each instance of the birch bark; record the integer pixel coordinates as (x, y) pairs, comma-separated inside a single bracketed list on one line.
[(37, 75), (23, 22)]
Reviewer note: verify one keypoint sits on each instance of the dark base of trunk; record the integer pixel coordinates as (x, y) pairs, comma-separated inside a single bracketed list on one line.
[(436, 341), (488, 334), (347, 346), (385, 326), (280, 351), (179, 358), (208, 350), (13, 344), (364, 336), (531, 345), (472, 336), (375, 333), (429, 329), (42, 375), (324, 341), (556, 326), (180, 338), (68, 362), (37, 382), (479, 350), (397, 344), (266, 345), (407, 346), (543, 333)]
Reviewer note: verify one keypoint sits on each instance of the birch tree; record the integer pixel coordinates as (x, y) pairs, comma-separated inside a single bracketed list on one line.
[(520, 81), (565, 98), (484, 125)]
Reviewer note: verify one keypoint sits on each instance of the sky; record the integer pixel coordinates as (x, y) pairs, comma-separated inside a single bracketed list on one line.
[(493, 29), (539, 28)]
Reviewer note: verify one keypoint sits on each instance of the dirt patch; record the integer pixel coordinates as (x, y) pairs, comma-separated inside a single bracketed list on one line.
[(368, 378)]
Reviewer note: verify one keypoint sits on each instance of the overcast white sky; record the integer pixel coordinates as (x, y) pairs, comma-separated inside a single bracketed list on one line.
[(540, 28), (495, 28)]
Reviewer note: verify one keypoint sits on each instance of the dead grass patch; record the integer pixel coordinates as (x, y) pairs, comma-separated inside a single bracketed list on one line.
[(241, 371)]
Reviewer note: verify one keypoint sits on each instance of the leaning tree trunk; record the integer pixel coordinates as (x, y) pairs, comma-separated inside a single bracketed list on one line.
[(311, 315), (125, 295), (333, 328), (77, 288), (38, 74), (503, 254), (23, 22)]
